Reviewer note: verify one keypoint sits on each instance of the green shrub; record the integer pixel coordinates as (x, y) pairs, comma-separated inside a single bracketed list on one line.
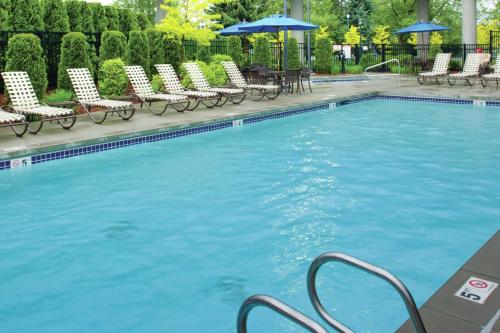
[(293, 54), (55, 16), (128, 21), (203, 53), (26, 15), (138, 50), (434, 50), (214, 72), (369, 59), (74, 54), (99, 17), (74, 9), (404, 70), (323, 55), (58, 95), (173, 52), (25, 53), (218, 58), (5, 10), (143, 21), (235, 50), (262, 52), (336, 69), (113, 79), (354, 69), (157, 83), (86, 18), (455, 65), (113, 45), (113, 17), (156, 48)]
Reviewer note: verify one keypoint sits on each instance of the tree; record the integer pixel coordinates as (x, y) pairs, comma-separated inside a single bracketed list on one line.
[(382, 35), (74, 9), (235, 50), (128, 21), (25, 53), (146, 7), (99, 16), (86, 18), (143, 21), (483, 31), (138, 50), (203, 53), (190, 19), (5, 14), (352, 36), (233, 12), (156, 48), (55, 16), (74, 54), (262, 52), (173, 51), (113, 17), (323, 55), (360, 12), (26, 15), (293, 54), (436, 38), (113, 45)]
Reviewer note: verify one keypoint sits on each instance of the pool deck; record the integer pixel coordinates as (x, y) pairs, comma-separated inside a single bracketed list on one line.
[(446, 313), (52, 137)]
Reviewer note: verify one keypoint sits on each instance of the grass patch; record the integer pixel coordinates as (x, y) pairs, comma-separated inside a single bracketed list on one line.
[(58, 95)]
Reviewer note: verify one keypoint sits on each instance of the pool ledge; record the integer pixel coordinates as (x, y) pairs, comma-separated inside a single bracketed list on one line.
[(446, 313)]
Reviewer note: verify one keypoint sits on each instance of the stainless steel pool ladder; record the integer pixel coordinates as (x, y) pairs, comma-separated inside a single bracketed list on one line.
[(279, 307), (369, 268)]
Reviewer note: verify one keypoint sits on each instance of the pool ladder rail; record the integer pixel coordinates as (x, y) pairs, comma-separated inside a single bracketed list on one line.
[(311, 325)]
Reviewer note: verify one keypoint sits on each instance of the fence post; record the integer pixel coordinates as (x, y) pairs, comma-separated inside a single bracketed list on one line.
[(464, 55), (342, 59), (491, 43), (384, 67)]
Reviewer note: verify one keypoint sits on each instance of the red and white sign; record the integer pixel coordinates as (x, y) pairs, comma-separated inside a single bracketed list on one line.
[(476, 290), (20, 162)]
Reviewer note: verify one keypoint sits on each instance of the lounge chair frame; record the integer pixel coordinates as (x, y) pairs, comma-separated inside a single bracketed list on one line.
[(234, 95), (144, 92), (495, 76), (88, 97), (439, 69), (25, 102), (470, 70), (255, 92), (173, 86), (14, 121)]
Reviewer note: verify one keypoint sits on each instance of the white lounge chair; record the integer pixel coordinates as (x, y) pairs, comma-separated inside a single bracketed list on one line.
[(173, 86), (255, 91), (235, 95), (24, 101), (88, 97), (471, 69), (144, 91), (495, 76), (439, 69), (14, 121)]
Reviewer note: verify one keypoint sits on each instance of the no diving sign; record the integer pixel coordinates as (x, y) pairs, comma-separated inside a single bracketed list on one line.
[(476, 290)]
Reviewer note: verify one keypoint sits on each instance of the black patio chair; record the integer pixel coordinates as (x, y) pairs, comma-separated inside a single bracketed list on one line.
[(305, 75), (292, 78)]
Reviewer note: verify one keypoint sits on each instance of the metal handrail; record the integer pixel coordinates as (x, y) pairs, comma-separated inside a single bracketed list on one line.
[(279, 307), (383, 63), (367, 267)]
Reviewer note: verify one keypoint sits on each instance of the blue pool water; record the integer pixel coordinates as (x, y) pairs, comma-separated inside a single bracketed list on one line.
[(172, 236)]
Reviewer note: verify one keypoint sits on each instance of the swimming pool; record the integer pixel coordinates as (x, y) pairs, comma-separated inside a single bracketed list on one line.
[(172, 236)]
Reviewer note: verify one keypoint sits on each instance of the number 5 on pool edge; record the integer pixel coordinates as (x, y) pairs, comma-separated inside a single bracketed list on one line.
[(466, 293)]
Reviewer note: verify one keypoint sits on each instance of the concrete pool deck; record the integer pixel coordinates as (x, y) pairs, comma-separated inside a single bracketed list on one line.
[(445, 312), (52, 137)]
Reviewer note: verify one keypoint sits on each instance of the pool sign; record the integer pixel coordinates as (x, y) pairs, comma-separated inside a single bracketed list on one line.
[(332, 106), (476, 290), (20, 162), (479, 103), (238, 123)]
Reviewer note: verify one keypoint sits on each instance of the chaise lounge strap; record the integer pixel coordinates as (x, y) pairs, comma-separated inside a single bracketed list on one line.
[(166, 97), (111, 104), (47, 111), (7, 117)]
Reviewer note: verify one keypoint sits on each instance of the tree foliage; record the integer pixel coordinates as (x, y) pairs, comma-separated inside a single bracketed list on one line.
[(352, 36), (5, 14), (128, 21), (293, 54), (262, 52), (100, 19), (26, 15), (113, 17), (203, 53), (55, 16), (323, 55), (138, 50), (146, 7), (113, 45), (173, 51), (113, 79), (381, 35), (74, 9), (235, 50), (74, 54), (234, 11), (190, 19), (25, 53), (156, 48)]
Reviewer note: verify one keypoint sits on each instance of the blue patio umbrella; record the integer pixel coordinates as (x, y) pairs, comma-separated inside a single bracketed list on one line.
[(275, 24), (233, 29), (422, 27)]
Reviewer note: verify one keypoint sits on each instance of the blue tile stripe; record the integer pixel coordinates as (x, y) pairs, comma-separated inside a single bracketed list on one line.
[(40, 158)]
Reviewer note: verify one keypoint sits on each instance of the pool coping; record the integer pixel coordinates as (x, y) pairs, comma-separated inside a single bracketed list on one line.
[(38, 155)]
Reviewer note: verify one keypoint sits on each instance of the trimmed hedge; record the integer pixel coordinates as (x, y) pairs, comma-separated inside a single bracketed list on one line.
[(74, 9), (262, 52), (25, 53), (128, 21), (138, 50), (156, 48), (74, 54), (113, 80), (203, 53), (99, 17), (293, 54), (113, 45), (86, 18), (323, 55), (143, 21), (55, 16), (235, 50), (26, 15), (213, 71), (113, 17), (5, 14), (173, 52)]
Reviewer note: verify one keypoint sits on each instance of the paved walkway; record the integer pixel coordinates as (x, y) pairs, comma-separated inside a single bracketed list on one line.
[(85, 131)]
